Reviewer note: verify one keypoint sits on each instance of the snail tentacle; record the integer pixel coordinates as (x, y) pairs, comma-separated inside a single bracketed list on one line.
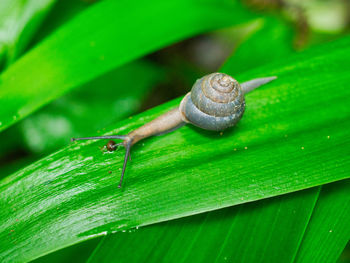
[(250, 85), (127, 143), (122, 137), (127, 154)]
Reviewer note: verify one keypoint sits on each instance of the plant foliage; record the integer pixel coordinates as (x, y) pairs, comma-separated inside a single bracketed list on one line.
[(289, 153)]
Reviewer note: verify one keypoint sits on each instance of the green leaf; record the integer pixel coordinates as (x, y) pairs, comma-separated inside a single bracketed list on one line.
[(19, 20), (62, 12), (329, 228), (75, 54), (78, 253), (270, 230), (253, 232), (294, 135)]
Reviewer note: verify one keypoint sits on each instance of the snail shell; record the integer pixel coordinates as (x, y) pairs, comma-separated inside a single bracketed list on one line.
[(216, 102)]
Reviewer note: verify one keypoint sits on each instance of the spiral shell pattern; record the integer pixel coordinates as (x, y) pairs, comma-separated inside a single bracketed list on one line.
[(215, 102)]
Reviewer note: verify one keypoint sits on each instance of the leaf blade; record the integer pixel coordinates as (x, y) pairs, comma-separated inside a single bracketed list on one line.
[(328, 231), (252, 232), (19, 21)]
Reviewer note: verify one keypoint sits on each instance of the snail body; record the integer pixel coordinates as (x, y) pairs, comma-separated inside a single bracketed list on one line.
[(216, 102)]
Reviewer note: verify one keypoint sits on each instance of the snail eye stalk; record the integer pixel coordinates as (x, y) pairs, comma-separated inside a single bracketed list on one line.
[(127, 146), (122, 137), (127, 154)]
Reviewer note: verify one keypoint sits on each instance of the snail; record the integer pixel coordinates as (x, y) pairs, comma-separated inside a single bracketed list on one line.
[(216, 102)]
